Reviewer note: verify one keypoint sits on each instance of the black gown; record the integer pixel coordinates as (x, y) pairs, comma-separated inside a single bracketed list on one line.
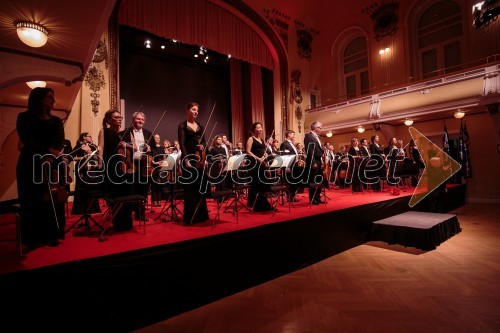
[(195, 204), (257, 172), (42, 223)]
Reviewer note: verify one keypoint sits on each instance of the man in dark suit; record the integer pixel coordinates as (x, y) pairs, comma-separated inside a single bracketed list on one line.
[(288, 148), (314, 149), (139, 138)]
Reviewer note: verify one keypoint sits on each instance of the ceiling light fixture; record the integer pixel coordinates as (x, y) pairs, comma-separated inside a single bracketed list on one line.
[(408, 122), (329, 134), (36, 84), (361, 129), (459, 114), (32, 34)]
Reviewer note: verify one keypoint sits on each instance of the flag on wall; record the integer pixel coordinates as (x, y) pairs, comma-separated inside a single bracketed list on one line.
[(464, 142), (446, 142)]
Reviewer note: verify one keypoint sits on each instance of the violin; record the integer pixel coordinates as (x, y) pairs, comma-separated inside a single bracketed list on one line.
[(127, 159), (55, 192)]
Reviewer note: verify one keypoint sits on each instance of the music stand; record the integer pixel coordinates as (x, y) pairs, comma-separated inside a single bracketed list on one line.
[(233, 164), (169, 165), (92, 192), (284, 162)]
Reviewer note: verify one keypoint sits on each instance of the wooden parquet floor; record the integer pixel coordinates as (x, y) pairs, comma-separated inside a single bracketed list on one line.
[(373, 288)]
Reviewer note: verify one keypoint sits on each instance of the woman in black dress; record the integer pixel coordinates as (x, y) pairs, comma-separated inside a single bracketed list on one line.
[(117, 182), (41, 133), (256, 152), (354, 161), (217, 159), (192, 145)]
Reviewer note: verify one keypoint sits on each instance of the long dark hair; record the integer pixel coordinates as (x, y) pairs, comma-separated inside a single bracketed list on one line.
[(254, 126), (35, 100), (107, 117)]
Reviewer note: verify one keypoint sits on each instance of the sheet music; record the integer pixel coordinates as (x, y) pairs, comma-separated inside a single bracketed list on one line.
[(234, 162), (170, 162), (282, 161)]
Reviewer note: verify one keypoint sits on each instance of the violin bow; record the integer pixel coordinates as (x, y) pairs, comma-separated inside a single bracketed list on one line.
[(210, 136), (156, 127), (205, 128)]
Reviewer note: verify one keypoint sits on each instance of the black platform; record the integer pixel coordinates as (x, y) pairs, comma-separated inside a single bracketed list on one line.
[(130, 290), (421, 230)]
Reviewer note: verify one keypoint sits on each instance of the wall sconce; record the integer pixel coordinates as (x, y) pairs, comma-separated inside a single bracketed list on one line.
[(329, 134), (408, 122), (459, 114), (31, 34), (384, 51), (36, 84), (361, 129)]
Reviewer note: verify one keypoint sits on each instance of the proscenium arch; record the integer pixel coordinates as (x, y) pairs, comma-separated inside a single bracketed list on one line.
[(275, 46), (256, 24)]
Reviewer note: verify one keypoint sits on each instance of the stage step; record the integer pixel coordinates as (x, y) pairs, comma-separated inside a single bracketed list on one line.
[(421, 230)]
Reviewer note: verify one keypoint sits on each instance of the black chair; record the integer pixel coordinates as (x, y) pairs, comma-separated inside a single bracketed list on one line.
[(274, 195), (13, 209), (114, 206), (219, 196), (322, 193)]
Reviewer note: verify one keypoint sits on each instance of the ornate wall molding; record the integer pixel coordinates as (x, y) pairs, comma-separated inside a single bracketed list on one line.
[(280, 21), (384, 15), (305, 36), (296, 97)]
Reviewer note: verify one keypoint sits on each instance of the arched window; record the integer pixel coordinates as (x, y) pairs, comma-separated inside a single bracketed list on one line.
[(439, 34), (355, 66)]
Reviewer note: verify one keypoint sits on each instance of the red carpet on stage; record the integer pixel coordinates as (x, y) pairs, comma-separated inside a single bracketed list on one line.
[(80, 245)]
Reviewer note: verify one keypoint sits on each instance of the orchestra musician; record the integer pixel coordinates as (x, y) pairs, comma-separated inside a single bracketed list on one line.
[(192, 145), (256, 152), (314, 155), (391, 152), (377, 153), (341, 166), (158, 154), (288, 148), (226, 145), (40, 133), (139, 137), (84, 161), (365, 149), (117, 181), (217, 159), (416, 157), (355, 162)]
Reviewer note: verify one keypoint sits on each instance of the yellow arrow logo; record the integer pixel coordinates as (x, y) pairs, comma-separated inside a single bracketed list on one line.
[(439, 166)]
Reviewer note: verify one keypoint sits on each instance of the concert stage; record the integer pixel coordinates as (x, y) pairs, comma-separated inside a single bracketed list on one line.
[(135, 279)]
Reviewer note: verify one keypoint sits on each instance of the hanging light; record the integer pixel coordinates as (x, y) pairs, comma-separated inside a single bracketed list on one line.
[(329, 134), (408, 122), (32, 34), (361, 129), (459, 114), (36, 84)]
